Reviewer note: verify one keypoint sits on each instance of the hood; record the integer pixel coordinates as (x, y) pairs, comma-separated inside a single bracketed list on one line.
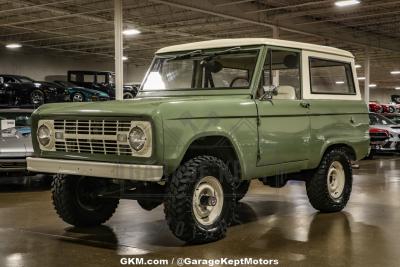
[(15, 142), (169, 107)]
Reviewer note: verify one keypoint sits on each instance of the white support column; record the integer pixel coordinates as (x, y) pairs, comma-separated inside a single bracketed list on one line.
[(275, 32), (119, 65), (367, 75)]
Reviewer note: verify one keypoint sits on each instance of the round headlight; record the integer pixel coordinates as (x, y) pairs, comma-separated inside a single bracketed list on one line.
[(44, 135), (137, 138)]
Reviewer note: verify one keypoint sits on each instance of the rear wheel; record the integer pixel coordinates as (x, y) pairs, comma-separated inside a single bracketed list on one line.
[(392, 109), (200, 200), (330, 187), (37, 98), (76, 200)]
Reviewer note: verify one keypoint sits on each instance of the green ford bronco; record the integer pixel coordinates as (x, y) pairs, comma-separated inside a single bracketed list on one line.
[(209, 117)]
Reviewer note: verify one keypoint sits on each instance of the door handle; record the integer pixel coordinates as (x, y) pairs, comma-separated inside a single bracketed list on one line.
[(305, 104)]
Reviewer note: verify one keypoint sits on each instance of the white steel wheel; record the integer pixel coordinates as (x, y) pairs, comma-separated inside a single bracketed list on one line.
[(208, 200), (336, 179)]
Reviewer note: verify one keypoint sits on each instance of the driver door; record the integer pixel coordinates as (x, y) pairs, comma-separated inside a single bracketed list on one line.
[(284, 122)]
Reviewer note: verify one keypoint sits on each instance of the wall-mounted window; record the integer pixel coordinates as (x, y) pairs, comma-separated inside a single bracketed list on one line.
[(331, 77)]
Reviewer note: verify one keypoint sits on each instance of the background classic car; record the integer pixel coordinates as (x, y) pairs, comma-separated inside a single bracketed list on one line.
[(18, 90), (82, 94), (100, 80)]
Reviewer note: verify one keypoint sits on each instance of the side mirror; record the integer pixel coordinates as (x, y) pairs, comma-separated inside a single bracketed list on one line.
[(269, 92)]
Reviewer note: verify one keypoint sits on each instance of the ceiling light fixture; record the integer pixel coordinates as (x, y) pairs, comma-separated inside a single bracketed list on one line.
[(361, 78), (358, 66), (372, 85), (395, 72), (346, 3), (339, 82), (397, 88), (131, 32), (124, 58), (13, 46)]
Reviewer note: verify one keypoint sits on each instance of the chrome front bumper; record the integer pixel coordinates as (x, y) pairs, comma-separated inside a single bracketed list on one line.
[(151, 173)]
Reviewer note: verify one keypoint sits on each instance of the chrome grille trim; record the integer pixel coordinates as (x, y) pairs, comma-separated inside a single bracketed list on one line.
[(93, 136)]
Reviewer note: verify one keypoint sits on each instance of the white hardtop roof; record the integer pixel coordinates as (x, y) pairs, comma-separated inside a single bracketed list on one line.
[(220, 43)]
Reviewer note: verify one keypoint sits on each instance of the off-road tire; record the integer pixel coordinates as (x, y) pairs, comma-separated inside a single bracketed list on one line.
[(68, 208), (241, 189), (178, 206), (317, 185)]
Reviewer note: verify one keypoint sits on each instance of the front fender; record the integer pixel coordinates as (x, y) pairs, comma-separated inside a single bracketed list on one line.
[(241, 132)]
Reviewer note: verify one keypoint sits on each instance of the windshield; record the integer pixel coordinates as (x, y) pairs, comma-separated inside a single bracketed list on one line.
[(24, 79), (375, 119), (229, 69)]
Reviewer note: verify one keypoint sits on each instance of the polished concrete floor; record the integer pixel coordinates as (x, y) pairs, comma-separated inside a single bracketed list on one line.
[(272, 223)]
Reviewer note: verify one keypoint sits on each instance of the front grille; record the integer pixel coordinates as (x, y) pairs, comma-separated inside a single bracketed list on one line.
[(378, 136), (93, 136)]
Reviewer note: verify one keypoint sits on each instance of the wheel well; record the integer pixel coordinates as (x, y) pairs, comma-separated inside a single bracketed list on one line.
[(349, 150), (217, 146)]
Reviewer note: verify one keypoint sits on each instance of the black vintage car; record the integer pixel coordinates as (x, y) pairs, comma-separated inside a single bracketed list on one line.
[(100, 80), (18, 90)]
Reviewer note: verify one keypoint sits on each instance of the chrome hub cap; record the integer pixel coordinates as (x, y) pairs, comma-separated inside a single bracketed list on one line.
[(77, 98), (37, 98), (208, 200), (336, 180)]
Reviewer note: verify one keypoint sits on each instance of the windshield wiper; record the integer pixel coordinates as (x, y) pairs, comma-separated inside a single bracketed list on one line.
[(208, 55), (227, 51), (187, 55)]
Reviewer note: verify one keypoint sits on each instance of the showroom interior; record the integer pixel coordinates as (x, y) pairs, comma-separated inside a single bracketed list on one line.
[(61, 51)]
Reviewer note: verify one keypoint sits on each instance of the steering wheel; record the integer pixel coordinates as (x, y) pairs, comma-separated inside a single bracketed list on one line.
[(238, 79)]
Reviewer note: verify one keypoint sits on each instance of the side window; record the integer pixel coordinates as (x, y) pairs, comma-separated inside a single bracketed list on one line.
[(73, 78), (88, 78), (101, 78), (9, 80), (331, 77), (282, 69)]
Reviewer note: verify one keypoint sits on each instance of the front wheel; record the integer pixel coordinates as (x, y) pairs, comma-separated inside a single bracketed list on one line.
[(200, 201), (129, 95), (78, 97), (330, 187), (75, 198)]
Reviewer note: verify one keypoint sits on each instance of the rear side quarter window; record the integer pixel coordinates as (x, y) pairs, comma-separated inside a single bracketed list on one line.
[(331, 77)]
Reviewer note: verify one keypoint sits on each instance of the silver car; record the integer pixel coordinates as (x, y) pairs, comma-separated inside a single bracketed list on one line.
[(15, 146), (15, 142)]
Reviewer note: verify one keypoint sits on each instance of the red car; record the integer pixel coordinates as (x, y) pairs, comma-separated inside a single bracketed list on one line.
[(375, 107), (382, 108)]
